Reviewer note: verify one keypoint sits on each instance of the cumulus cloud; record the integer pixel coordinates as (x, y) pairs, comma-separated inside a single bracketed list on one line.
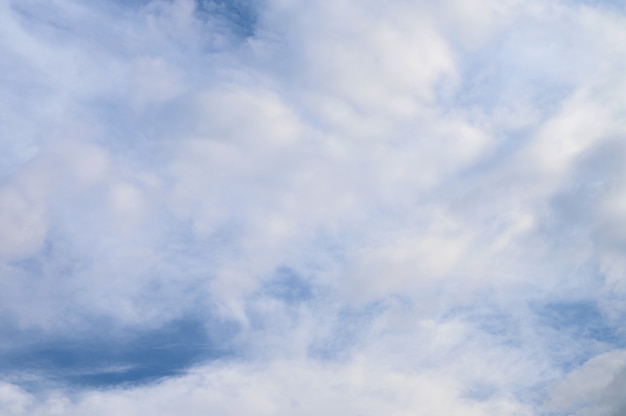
[(401, 208)]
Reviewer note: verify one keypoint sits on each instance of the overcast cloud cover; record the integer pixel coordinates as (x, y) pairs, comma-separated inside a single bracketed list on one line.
[(292, 207)]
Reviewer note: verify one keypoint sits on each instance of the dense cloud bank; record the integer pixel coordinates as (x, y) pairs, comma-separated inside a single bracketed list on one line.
[(295, 207)]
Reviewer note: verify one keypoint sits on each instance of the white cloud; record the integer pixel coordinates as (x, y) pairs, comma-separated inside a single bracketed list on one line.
[(594, 388), (450, 158)]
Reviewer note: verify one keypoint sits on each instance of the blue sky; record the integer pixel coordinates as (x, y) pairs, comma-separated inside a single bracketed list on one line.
[(292, 207)]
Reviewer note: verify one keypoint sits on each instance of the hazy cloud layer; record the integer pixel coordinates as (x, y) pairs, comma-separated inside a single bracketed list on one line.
[(305, 207)]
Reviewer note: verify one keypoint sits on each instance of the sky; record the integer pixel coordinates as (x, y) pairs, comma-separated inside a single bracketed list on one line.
[(289, 207)]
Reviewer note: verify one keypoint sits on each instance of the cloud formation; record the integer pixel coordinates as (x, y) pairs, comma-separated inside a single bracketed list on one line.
[(307, 207)]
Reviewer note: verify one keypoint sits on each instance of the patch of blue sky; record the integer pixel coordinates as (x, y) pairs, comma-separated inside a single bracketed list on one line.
[(104, 358), (583, 319), (575, 330), (240, 15), (289, 287)]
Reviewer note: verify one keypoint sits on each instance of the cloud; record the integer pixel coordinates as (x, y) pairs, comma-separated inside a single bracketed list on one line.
[(363, 385), (592, 389), (363, 208)]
